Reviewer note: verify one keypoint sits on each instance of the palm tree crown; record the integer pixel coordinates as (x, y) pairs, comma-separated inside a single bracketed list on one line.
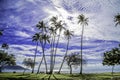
[(82, 20), (68, 34), (117, 19), (36, 37)]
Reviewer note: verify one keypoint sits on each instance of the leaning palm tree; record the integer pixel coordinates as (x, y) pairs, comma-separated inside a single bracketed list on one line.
[(68, 34), (36, 39), (43, 40), (52, 32), (117, 19), (82, 20), (59, 27)]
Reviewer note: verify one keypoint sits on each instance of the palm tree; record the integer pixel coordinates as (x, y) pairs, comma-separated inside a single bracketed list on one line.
[(59, 26), (117, 19), (36, 39), (52, 34), (43, 40), (82, 20), (68, 35)]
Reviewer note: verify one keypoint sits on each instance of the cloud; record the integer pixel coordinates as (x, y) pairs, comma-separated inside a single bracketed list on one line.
[(22, 34)]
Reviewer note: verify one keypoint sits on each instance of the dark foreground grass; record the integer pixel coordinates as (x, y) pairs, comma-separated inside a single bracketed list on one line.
[(28, 76)]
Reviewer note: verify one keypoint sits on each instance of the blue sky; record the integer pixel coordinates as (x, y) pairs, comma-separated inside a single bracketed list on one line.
[(19, 17)]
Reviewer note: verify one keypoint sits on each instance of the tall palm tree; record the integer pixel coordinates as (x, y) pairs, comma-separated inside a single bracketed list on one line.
[(68, 34), (43, 39), (59, 26), (82, 20), (36, 39), (117, 19), (52, 35)]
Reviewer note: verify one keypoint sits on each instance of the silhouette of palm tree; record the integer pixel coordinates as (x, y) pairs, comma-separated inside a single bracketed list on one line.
[(43, 39), (58, 26), (68, 34), (36, 39), (82, 21), (52, 34)]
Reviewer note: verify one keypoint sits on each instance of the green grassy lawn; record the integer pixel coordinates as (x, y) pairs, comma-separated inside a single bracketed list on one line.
[(28, 76)]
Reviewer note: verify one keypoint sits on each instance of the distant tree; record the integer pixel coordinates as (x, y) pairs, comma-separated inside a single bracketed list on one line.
[(6, 59), (82, 20), (29, 63), (117, 19), (112, 58), (74, 59), (5, 46)]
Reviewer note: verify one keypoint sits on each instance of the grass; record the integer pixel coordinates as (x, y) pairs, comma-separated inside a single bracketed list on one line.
[(28, 76)]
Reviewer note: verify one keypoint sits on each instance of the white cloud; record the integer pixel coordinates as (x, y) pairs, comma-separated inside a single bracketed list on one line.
[(22, 34)]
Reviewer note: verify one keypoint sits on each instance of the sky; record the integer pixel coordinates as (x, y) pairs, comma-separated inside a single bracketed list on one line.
[(19, 17)]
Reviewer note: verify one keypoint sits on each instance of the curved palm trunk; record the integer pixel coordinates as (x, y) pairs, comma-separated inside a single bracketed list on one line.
[(43, 57), (56, 50), (35, 57), (64, 56), (45, 60), (81, 49), (39, 65), (52, 51)]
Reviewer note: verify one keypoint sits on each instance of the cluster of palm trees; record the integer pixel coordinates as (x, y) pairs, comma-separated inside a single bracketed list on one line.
[(50, 34)]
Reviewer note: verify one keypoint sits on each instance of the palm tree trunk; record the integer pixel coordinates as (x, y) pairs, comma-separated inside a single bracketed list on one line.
[(56, 49), (64, 56), (52, 51), (24, 71), (0, 69), (44, 58), (81, 50), (35, 57), (39, 65), (70, 69), (112, 69)]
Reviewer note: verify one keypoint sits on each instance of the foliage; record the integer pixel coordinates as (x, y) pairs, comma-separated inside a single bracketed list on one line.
[(74, 59), (6, 59), (28, 62), (112, 58), (117, 19), (5, 46)]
